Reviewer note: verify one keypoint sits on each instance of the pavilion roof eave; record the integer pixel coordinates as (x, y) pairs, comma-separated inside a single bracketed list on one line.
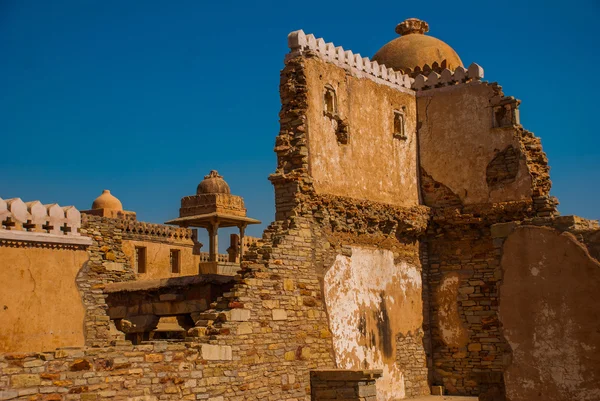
[(205, 220)]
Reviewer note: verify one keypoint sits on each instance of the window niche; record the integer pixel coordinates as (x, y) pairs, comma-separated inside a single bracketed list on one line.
[(329, 102), (175, 258), (400, 124), (330, 110), (140, 259)]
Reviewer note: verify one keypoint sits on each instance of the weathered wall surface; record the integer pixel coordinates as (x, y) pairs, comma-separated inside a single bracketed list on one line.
[(463, 150), (158, 259), (468, 348), (371, 300), (373, 164), (550, 309), (40, 305)]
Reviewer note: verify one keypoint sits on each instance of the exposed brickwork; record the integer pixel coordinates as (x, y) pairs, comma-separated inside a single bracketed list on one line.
[(343, 385), (467, 249), (437, 194), (503, 168), (537, 163), (107, 264), (411, 360)]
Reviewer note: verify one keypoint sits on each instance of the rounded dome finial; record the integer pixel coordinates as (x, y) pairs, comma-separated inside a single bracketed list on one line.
[(213, 183), (415, 49), (107, 201), (412, 25)]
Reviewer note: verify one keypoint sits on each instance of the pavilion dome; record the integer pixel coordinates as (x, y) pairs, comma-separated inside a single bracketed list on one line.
[(107, 201), (415, 49), (213, 183)]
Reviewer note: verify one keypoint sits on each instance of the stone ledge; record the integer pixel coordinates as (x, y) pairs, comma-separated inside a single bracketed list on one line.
[(150, 285), (26, 236), (346, 374)]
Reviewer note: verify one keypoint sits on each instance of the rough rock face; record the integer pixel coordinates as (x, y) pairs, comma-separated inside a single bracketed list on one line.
[(549, 305)]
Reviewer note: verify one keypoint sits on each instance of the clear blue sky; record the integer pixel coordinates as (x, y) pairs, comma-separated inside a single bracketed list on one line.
[(145, 97)]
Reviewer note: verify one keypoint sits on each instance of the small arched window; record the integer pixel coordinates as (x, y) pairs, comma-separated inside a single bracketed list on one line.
[(400, 124), (329, 101)]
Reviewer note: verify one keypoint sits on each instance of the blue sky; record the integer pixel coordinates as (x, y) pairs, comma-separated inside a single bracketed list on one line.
[(145, 97)]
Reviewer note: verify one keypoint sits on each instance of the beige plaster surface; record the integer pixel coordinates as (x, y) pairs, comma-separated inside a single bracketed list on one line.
[(370, 300), (452, 330), (40, 304), (550, 312), (457, 142), (158, 259), (373, 165)]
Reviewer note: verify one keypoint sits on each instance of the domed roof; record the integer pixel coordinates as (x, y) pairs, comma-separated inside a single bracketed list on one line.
[(415, 49), (213, 183), (107, 201)]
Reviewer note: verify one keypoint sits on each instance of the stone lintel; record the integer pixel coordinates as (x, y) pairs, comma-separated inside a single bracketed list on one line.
[(165, 283), (346, 374)]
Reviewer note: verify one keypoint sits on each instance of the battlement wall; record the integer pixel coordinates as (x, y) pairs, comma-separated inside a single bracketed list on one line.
[(354, 133), (362, 67), (44, 224)]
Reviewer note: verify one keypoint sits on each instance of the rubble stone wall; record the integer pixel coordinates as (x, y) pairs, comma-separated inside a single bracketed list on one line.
[(356, 239), (107, 263), (467, 345)]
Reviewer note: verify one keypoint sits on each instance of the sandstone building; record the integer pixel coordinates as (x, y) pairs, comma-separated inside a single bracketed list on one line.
[(415, 248)]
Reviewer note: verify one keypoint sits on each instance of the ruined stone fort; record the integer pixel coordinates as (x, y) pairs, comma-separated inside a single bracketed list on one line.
[(415, 251)]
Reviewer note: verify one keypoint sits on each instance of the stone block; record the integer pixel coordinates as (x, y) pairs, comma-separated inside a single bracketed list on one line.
[(279, 314), (8, 394), (211, 352), (239, 315), (474, 347), (25, 380), (288, 285), (502, 230), (244, 328), (437, 390)]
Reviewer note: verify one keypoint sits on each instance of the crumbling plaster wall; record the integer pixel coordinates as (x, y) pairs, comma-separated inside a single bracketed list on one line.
[(371, 299), (459, 145), (40, 306), (373, 164), (354, 234), (549, 310)]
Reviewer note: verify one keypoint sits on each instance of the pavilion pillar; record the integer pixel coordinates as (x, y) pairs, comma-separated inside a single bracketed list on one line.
[(213, 233), (242, 231)]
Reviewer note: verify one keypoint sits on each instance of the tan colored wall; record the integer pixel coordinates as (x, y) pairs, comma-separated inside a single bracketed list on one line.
[(449, 321), (371, 299), (40, 305), (158, 262), (550, 309), (373, 165), (457, 143)]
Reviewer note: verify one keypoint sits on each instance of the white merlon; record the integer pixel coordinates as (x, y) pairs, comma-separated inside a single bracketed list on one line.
[(448, 77), (362, 67), (34, 221)]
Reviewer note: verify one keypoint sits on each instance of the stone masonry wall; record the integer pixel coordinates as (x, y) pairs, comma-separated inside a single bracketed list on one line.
[(107, 264), (347, 385), (338, 223), (468, 348)]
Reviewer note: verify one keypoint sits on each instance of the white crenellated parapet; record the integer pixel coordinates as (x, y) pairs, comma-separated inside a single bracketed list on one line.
[(299, 43), (448, 77), (35, 217)]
